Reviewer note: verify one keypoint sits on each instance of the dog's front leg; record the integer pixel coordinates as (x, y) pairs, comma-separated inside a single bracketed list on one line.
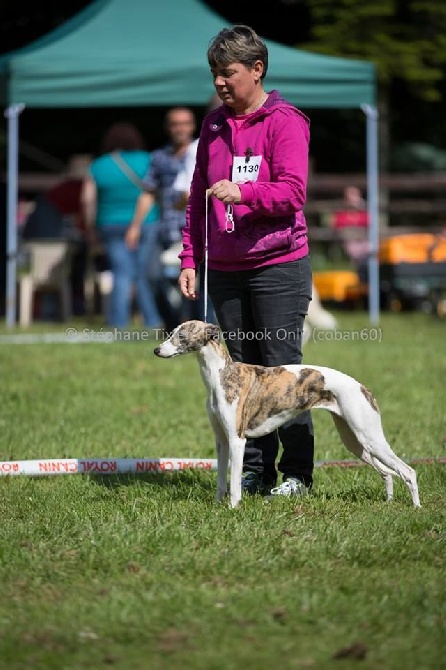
[(237, 450), (222, 468), (222, 448)]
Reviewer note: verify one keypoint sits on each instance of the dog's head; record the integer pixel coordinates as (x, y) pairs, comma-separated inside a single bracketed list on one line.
[(188, 337)]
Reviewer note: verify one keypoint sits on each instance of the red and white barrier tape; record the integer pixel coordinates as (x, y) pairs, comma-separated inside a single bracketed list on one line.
[(117, 466), (104, 466)]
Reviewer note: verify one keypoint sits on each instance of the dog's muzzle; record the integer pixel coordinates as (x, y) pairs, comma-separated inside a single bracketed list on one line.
[(166, 350)]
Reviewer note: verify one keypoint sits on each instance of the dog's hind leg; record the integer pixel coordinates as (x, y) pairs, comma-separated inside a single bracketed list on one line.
[(385, 473), (237, 450), (381, 452), (352, 443), (380, 455)]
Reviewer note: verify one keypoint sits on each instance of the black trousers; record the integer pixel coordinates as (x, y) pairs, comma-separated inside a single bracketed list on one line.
[(261, 313)]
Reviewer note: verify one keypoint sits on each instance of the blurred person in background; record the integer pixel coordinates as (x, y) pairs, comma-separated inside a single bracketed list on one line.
[(109, 196), (58, 214), (166, 163), (182, 185), (350, 224)]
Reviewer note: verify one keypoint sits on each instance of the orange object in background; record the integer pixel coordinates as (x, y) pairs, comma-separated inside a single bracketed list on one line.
[(413, 248), (412, 270), (338, 285)]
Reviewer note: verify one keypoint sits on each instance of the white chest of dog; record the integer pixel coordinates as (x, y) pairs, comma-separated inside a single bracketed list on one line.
[(251, 400)]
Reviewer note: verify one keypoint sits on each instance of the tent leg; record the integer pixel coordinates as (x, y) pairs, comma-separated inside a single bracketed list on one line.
[(12, 114), (371, 114)]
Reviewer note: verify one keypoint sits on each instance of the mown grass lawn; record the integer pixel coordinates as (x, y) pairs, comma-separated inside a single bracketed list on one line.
[(149, 572)]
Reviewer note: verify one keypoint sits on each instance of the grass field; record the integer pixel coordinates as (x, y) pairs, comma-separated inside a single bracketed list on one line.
[(148, 572)]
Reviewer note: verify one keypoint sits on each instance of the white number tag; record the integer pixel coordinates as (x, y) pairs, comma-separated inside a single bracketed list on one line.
[(246, 169)]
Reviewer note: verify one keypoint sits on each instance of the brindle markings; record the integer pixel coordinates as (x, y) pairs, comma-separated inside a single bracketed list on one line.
[(264, 392), (186, 337), (232, 377), (191, 336), (368, 395)]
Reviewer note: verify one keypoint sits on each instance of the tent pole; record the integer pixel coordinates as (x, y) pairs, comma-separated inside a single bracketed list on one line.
[(371, 114), (12, 114)]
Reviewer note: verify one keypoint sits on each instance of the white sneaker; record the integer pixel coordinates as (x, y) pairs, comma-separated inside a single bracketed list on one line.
[(288, 488)]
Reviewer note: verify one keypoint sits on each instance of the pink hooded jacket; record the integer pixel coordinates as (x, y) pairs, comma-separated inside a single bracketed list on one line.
[(269, 224)]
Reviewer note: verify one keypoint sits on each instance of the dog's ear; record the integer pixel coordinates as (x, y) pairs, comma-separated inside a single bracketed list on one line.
[(212, 332)]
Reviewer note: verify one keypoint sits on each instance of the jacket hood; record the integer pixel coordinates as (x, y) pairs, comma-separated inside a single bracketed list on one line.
[(215, 119)]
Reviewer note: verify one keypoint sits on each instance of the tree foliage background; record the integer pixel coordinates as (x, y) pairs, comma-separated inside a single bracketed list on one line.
[(406, 39)]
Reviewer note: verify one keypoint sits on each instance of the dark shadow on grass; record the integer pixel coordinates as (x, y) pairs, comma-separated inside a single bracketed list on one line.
[(363, 496), (188, 482), (182, 482), (350, 495)]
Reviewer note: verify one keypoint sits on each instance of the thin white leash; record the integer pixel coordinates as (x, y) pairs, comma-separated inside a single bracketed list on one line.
[(206, 234), (229, 229)]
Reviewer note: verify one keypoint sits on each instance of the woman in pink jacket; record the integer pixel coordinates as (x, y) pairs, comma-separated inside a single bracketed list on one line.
[(252, 163)]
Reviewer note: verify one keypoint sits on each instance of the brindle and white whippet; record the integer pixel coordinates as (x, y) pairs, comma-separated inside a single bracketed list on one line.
[(247, 401)]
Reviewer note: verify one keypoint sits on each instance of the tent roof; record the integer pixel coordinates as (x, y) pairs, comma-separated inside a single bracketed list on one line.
[(153, 53)]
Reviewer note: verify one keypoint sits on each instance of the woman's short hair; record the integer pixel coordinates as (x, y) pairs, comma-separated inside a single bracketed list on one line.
[(239, 44), (123, 136)]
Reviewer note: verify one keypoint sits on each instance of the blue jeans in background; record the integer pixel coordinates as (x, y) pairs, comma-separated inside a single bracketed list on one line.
[(129, 268)]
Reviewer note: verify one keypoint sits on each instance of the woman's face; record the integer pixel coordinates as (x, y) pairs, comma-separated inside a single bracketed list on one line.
[(236, 83)]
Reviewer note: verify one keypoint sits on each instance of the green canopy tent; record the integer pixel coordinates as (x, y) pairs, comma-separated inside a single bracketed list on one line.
[(150, 53)]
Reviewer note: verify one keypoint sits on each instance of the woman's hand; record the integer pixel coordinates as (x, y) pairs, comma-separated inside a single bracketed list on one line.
[(133, 235), (186, 282), (226, 191)]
